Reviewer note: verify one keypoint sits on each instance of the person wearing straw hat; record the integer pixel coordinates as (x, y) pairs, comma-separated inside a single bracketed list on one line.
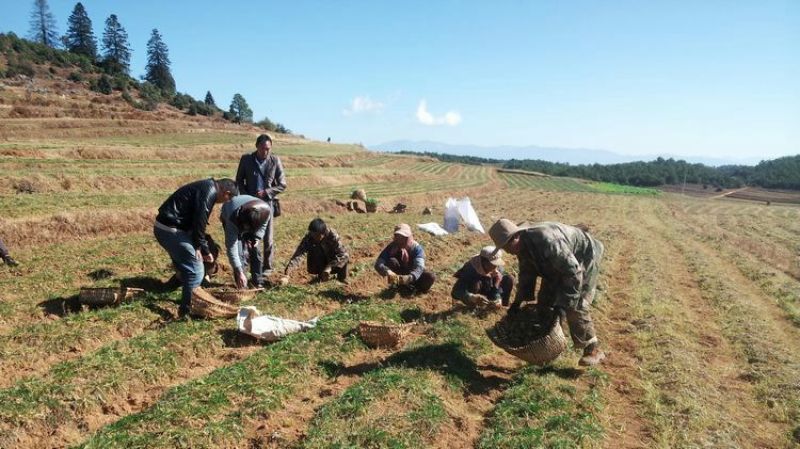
[(245, 219), (402, 262), (180, 228), (481, 281), (567, 258)]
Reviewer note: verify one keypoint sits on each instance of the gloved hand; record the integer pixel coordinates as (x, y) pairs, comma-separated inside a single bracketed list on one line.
[(391, 277), (284, 280)]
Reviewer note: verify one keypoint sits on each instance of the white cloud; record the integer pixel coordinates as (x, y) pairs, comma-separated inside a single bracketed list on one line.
[(450, 118), (363, 105)]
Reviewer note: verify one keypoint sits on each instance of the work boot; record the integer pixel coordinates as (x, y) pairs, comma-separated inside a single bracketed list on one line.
[(10, 261), (592, 355)]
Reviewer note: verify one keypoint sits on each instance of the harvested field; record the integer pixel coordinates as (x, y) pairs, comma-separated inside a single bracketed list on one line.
[(698, 309)]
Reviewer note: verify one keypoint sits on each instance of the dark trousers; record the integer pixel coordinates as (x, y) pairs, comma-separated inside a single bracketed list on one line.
[(317, 260), (3, 250), (485, 286), (422, 285), (252, 258)]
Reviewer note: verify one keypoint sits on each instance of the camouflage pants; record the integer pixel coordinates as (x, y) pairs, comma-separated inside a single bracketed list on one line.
[(581, 326)]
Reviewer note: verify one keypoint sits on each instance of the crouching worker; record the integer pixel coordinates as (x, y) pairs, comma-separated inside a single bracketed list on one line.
[(5, 256), (326, 256), (180, 228), (402, 262), (245, 219), (481, 281), (567, 259)]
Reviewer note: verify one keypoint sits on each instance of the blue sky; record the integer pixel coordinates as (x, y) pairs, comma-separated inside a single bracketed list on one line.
[(710, 78)]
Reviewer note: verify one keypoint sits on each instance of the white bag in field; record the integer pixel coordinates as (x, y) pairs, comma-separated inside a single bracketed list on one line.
[(451, 215), (469, 216), (461, 210), (433, 228), (268, 327)]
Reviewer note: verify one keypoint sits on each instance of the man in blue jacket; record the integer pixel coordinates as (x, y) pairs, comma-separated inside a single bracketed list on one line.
[(245, 219), (180, 228), (260, 174), (402, 262)]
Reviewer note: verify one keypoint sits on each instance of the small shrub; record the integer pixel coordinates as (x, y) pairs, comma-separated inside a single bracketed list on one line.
[(24, 186), (75, 76), (102, 85)]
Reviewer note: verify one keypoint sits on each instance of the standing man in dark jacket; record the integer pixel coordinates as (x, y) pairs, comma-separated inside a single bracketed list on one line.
[(260, 174), (326, 254), (180, 229)]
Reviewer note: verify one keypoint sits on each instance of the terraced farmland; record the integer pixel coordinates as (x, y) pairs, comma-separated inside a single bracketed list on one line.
[(699, 313)]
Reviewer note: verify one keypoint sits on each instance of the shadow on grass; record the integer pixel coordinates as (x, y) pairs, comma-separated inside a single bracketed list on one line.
[(99, 274), (150, 284), (61, 306), (392, 292), (448, 359), (411, 315), (343, 297), (564, 373), (232, 338)]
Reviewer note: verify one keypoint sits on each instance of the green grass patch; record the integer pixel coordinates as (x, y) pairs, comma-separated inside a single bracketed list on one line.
[(388, 408), (607, 187), (545, 408)]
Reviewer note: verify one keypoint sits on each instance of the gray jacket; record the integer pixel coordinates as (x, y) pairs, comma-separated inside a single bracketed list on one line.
[(248, 174)]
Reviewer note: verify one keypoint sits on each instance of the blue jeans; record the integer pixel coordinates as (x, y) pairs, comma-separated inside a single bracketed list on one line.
[(181, 250)]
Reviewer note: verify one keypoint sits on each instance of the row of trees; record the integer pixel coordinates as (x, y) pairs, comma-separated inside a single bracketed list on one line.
[(115, 61), (782, 173)]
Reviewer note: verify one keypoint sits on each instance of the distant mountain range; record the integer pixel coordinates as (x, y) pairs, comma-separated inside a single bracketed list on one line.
[(572, 156)]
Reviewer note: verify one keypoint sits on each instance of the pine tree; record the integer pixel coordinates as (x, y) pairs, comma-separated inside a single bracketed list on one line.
[(210, 100), (43, 24), (117, 54), (157, 70), (240, 111), (80, 37)]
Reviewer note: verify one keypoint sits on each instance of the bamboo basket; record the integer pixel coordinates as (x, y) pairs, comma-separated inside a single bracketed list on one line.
[(205, 305), (232, 296), (377, 335), (538, 352), (107, 296)]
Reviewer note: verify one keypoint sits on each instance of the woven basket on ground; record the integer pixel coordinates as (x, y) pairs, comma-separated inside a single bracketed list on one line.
[(541, 351), (107, 296), (234, 296), (205, 305), (382, 335)]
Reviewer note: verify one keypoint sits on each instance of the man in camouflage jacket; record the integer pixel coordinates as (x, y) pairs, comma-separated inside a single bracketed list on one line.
[(567, 259), (326, 254)]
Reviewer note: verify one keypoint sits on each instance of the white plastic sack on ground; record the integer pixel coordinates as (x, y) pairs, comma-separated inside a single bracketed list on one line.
[(268, 327), (469, 216), (451, 215), (433, 228)]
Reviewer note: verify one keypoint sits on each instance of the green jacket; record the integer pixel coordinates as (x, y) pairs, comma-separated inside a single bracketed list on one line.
[(561, 255)]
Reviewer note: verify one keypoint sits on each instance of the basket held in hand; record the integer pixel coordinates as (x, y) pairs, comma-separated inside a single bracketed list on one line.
[(541, 351)]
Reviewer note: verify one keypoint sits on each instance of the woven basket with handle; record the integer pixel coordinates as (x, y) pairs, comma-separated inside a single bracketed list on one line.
[(540, 351), (234, 297), (205, 305), (382, 335)]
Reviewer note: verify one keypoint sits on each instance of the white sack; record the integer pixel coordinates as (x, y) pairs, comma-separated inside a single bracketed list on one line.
[(469, 216), (268, 327), (451, 215), (433, 228)]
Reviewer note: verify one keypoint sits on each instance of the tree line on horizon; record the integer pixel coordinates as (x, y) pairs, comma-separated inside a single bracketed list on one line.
[(781, 173), (109, 70)]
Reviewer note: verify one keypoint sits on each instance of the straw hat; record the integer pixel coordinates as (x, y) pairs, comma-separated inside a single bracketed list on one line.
[(502, 232), (402, 229), (493, 255)]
